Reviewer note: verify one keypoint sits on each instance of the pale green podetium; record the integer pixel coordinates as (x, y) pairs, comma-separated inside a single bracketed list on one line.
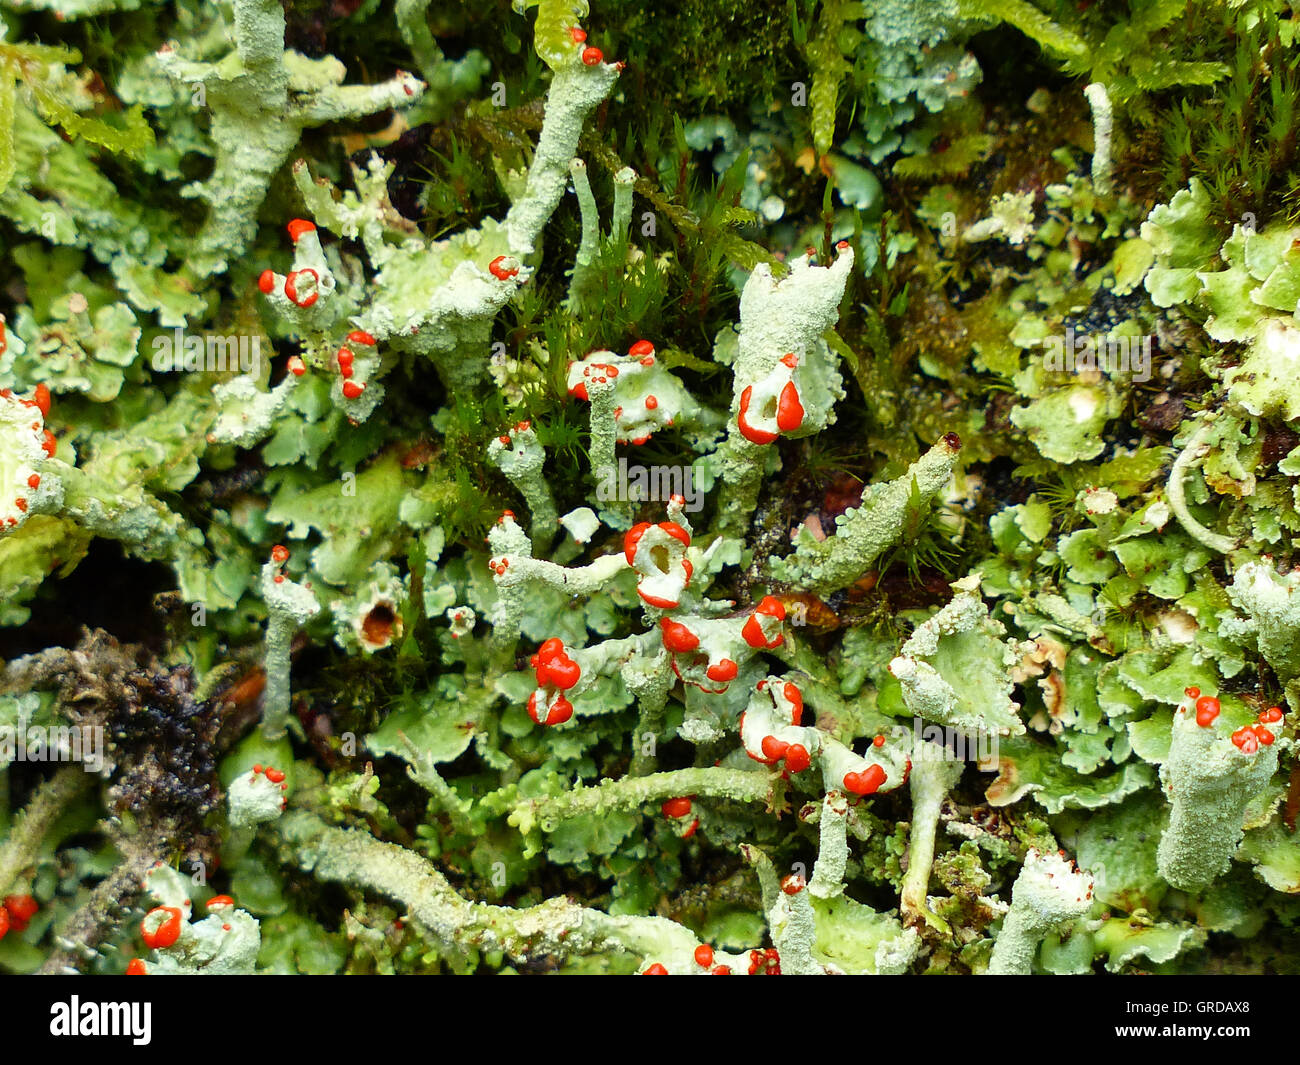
[(1209, 783), (290, 607), (575, 90), (778, 319), (521, 458), (254, 799), (932, 777), (604, 460), (1271, 601), (260, 99), (863, 533), (225, 943), (1049, 893), (955, 667)]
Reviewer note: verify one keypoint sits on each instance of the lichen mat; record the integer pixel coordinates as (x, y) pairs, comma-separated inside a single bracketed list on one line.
[(775, 489)]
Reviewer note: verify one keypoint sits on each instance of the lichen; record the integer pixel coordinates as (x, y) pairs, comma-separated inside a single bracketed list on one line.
[(739, 489)]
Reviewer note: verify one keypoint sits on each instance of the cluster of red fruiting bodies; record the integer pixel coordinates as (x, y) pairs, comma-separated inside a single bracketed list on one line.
[(591, 55), (16, 913), (293, 281), (275, 776), (161, 927), (294, 292), (345, 356), (520, 427), (789, 409), (1249, 738), (279, 555), (642, 351), (633, 540), (555, 668), (761, 963), (39, 401), (679, 809), (774, 749), (558, 672), (301, 287)]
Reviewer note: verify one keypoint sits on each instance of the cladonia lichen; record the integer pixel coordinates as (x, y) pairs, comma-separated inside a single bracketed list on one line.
[(725, 489)]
